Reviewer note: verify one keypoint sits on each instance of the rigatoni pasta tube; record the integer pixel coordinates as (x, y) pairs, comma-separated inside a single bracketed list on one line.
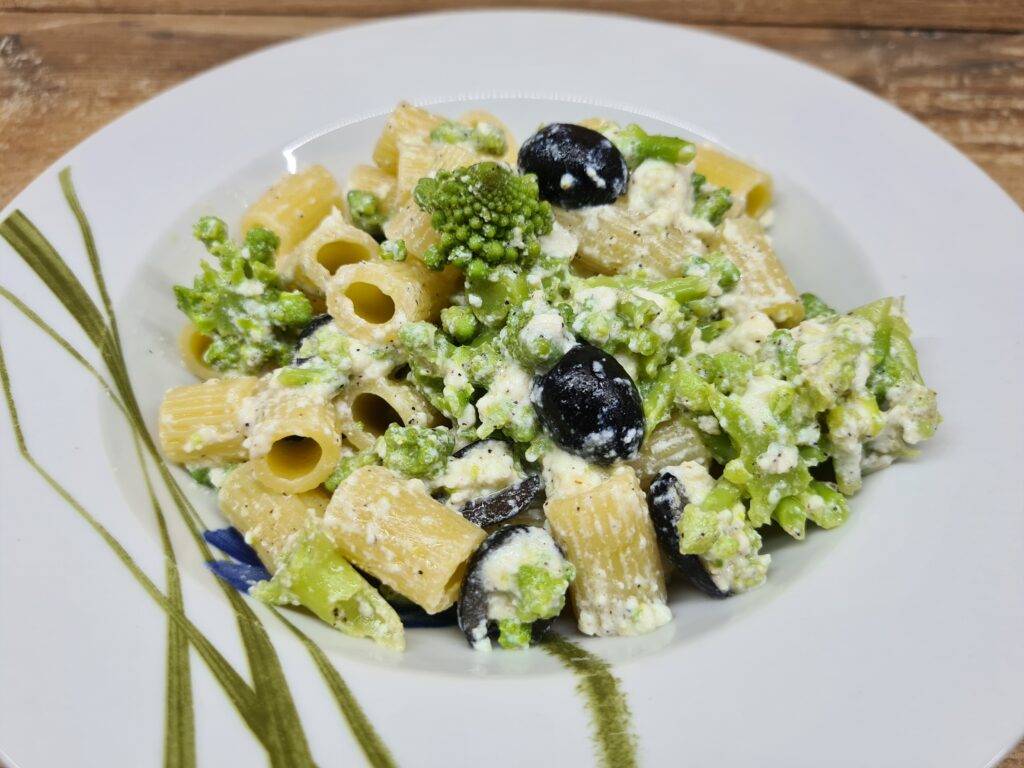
[(390, 527), (745, 182), (332, 245), (369, 178), (764, 285), (270, 520), (204, 423), (373, 300), (365, 409), (293, 207), (294, 440), (406, 122), (671, 442), (607, 534), (412, 225), (417, 159), (192, 344)]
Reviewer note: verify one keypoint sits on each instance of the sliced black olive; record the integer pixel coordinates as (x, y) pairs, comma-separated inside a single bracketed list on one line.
[(505, 504), (575, 166), (665, 502), (473, 599), (311, 327), (590, 406)]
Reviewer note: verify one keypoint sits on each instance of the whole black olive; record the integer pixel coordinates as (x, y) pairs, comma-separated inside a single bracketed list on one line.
[(665, 502), (590, 406), (473, 606), (575, 166), (504, 504), (312, 327)]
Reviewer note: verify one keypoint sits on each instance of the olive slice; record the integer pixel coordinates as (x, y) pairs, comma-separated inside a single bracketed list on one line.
[(665, 503), (504, 504), (575, 166)]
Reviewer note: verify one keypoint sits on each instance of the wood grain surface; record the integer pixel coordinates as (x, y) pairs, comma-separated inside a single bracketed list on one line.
[(67, 67)]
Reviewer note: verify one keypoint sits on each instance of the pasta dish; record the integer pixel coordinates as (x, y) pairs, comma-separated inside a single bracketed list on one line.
[(481, 382)]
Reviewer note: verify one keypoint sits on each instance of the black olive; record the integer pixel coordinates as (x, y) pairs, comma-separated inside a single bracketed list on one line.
[(504, 504), (476, 444), (665, 502), (473, 599), (575, 166), (590, 406), (311, 327)]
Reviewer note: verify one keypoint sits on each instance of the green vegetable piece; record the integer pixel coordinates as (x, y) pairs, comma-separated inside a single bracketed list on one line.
[(460, 323), (316, 576), (791, 515), (832, 510), (636, 145), (539, 594), (393, 250), (238, 302), (494, 294), (514, 634), (815, 307), (415, 451), (201, 475), (709, 204), (325, 359), (347, 466), (484, 213), (485, 138), (367, 212)]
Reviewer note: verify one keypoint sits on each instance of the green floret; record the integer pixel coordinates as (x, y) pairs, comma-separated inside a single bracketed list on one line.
[(460, 323), (325, 359), (636, 145), (367, 212), (348, 465), (815, 307), (709, 203), (238, 301), (484, 137), (393, 250), (539, 593), (416, 451), (486, 214)]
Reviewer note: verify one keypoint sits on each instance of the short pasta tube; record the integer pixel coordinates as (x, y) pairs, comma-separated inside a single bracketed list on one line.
[(270, 520), (406, 122), (417, 159), (371, 301), (612, 241), (367, 408), (744, 182), (475, 117), (671, 442), (412, 225), (390, 527), (192, 344), (607, 534), (332, 245), (293, 207), (764, 285), (204, 423), (294, 440)]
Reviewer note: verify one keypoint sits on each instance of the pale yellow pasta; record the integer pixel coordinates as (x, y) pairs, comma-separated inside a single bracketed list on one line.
[(369, 178), (671, 442), (607, 534), (412, 225), (270, 520), (204, 423), (406, 122), (475, 117), (192, 344), (372, 300), (293, 207), (746, 183), (417, 159), (612, 241), (332, 245), (366, 408), (390, 527), (294, 440), (764, 285)]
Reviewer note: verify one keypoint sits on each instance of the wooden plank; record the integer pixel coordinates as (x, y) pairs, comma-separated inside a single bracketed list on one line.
[(62, 76), (925, 14)]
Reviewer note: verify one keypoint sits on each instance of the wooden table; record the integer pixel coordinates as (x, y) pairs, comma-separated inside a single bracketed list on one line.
[(68, 67)]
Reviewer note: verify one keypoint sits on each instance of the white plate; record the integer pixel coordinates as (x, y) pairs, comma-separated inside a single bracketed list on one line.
[(894, 640)]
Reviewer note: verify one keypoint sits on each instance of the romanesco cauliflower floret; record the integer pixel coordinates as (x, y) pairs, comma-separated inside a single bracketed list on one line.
[(415, 451), (486, 214), (238, 302)]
